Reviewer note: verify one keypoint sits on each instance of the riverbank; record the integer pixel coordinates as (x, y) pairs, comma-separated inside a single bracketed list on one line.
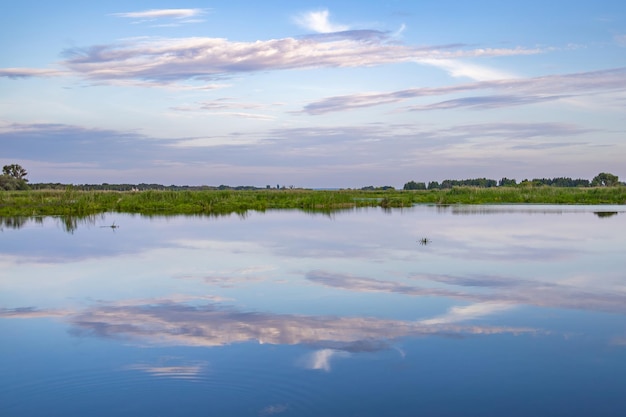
[(74, 202)]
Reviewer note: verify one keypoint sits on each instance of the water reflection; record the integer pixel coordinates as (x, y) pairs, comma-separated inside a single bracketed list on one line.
[(285, 312), (504, 291), (68, 223), (605, 214), (210, 325), (17, 222), (171, 368)]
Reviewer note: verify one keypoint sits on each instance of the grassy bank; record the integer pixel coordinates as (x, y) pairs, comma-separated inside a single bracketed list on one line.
[(73, 202)]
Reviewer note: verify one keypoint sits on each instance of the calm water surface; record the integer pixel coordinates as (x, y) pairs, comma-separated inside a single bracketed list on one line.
[(473, 311)]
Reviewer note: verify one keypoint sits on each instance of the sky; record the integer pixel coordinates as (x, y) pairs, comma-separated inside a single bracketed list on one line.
[(308, 94)]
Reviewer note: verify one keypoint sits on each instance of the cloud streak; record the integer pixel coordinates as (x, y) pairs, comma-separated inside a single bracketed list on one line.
[(16, 73), (180, 15), (518, 92)]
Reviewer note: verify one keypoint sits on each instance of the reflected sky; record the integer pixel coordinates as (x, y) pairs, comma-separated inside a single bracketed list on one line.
[(295, 314)]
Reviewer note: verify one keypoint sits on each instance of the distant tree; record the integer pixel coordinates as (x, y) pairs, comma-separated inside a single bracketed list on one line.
[(605, 179), (412, 185), (433, 185), (15, 171), (445, 184), (9, 183), (13, 178), (505, 182)]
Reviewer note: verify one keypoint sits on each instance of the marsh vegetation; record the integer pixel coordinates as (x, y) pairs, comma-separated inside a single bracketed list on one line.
[(76, 202)]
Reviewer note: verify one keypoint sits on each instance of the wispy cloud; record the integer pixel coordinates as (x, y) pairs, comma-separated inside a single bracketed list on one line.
[(161, 84), (30, 72), (518, 91), (486, 102), (229, 107), (152, 14), (201, 59), (319, 21), (458, 68)]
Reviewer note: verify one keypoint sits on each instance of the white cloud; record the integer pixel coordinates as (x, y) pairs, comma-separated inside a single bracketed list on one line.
[(318, 21), (163, 61), (162, 13), (475, 72)]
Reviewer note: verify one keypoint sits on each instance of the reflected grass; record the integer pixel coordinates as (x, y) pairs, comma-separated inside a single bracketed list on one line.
[(74, 202)]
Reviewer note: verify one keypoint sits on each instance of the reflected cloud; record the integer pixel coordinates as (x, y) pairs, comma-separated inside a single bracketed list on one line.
[(619, 341), (363, 284), (320, 359), (456, 314), (190, 372), (31, 313), (210, 325), (504, 291), (274, 409)]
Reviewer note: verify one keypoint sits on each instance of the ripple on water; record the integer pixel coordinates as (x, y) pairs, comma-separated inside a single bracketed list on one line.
[(253, 386)]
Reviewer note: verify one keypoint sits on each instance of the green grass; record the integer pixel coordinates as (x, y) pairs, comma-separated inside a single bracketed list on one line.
[(77, 203)]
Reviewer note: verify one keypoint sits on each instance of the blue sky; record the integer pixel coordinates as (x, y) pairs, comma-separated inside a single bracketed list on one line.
[(337, 94)]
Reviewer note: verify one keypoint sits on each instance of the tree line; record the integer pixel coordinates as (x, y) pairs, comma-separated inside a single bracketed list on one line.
[(14, 178), (603, 179)]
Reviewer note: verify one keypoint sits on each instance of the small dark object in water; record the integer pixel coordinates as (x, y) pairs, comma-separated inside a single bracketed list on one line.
[(112, 226), (424, 241)]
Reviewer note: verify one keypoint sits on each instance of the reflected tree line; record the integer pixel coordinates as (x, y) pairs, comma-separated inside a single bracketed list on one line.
[(68, 223)]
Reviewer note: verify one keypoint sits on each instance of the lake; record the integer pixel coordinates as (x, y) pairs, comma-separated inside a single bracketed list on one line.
[(501, 310)]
